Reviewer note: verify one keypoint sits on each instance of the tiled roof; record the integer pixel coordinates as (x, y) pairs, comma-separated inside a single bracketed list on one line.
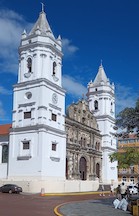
[(4, 129), (132, 135)]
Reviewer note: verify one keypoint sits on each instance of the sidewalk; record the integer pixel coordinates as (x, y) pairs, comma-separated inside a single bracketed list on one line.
[(101, 207)]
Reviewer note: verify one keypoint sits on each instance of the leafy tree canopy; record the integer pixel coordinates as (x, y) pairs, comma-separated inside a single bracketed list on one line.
[(127, 158), (129, 118)]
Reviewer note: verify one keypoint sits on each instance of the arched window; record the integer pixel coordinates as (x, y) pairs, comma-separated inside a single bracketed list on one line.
[(132, 179), (111, 107), (84, 142), (54, 68), (5, 154), (98, 170), (124, 178), (96, 146), (29, 64), (83, 120), (96, 105)]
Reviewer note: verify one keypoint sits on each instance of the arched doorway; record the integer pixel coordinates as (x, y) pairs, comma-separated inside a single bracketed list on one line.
[(97, 170), (82, 168)]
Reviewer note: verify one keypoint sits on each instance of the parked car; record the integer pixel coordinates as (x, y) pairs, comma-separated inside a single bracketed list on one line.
[(133, 189), (10, 188)]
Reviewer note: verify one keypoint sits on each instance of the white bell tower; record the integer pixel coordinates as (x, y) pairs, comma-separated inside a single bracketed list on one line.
[(37, 138), (101, 100)]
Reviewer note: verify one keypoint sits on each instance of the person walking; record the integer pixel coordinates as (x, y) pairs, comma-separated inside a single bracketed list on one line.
[(123, 190), (118, 193), (111, 190), (102, 191)]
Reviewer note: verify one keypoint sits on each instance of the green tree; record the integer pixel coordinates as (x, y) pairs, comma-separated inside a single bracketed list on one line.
[(128, 157), (129, 118)]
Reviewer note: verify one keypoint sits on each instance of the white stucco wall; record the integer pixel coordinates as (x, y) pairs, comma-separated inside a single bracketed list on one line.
[(43, 161), (52, 186)]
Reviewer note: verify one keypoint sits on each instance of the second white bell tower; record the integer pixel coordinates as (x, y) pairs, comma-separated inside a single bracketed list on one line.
[(101, 100)]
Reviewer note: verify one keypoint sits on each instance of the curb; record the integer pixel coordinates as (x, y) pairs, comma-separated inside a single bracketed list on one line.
[(74, 193), (56, 209)]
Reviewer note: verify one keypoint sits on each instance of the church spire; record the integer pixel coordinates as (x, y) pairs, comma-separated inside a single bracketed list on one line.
[(101, 75), (42, 24)]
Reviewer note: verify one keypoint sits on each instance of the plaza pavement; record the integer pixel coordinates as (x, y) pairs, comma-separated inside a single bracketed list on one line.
[(73, 204), (98, 207)]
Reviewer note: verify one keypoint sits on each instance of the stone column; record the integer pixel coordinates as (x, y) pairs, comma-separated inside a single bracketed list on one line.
[(92, 140), (70, 166), (100, 171), (91, 168), (94, 167)]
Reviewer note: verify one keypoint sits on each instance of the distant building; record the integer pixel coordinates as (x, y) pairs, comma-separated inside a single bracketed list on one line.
[(44, 148), (129, 175)]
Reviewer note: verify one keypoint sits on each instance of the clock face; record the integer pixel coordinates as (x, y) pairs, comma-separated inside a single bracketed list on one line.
[(54, 98)]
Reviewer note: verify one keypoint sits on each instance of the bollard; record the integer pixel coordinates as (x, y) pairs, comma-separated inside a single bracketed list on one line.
[(42, 192), (136, 209)]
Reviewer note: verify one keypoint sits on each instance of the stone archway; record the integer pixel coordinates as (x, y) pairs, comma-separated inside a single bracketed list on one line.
[(98, 170), (82, 168)]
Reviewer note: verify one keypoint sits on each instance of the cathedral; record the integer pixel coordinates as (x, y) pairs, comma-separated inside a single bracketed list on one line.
[(47, 146)]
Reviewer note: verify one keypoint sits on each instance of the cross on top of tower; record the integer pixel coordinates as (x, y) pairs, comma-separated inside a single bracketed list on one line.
[(42, 6)]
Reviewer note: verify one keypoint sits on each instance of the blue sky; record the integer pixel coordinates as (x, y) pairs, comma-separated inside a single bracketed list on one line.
[(91, 30)]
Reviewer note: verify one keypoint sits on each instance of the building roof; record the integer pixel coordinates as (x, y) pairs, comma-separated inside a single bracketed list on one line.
[(4, 129), (127, 136), (101, 76), (42, 25)]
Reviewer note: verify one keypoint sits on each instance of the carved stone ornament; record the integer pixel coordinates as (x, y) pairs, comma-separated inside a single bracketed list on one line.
[(27, 75), (55, 78)]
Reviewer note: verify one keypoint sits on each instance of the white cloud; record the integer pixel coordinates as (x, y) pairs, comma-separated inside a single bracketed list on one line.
[(68, 48), (3, 115), (5, 91), (2, 112), (9, 14), (125, 97), (12, 25), (73, 87)]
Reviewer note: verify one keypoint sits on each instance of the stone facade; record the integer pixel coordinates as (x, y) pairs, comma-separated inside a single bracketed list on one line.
[(83, 146)]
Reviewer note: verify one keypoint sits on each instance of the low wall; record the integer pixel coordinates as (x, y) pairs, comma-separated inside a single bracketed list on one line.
[(3, 170), (65, 186)]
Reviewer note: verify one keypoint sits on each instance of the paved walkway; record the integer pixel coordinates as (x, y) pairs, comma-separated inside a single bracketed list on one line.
[(101, 207), (80, 204)]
